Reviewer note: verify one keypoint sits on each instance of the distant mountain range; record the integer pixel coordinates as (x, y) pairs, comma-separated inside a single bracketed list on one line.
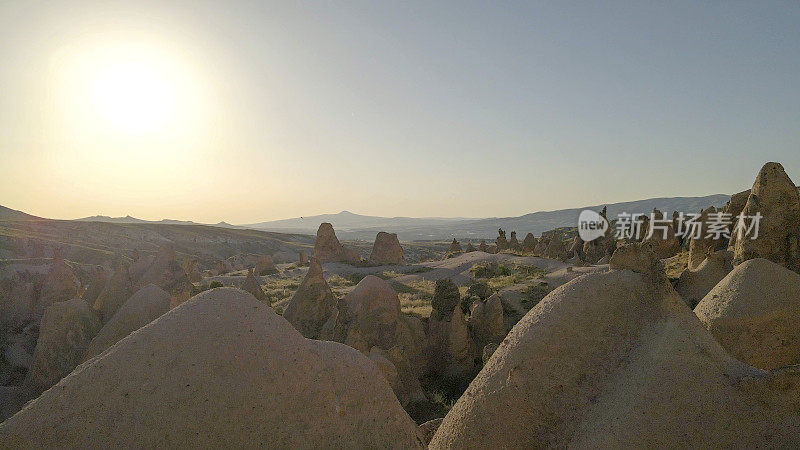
[(129, 219), (350, 226), (346, 221), (357, 227)]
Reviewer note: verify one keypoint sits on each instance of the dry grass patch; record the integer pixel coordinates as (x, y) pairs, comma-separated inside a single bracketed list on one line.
[(674, 266), (415, 297)]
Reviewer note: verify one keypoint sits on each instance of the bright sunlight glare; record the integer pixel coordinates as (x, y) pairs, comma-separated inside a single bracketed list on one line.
[(134, 97)]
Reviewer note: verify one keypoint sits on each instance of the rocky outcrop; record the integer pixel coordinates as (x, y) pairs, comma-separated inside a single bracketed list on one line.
[(501, 243), (17, 356), (693, 285), (265, 265), (754, 312), (575, 250), (602, 248), (529, 243), (451, 351), (117, 291), (192, 269), (190, 379), (221, 267), (513, 243), (599, 249), (486, 321), (145, 306), (556, 249), (64, 335), (638, 257), (327, 247), (165, 272), (18, 296), (445, 296), (665, 243), (775, 197), (488, 351), (313, 304), (483, 247), (97, 283), (387, 250), (470, 248), (699, 248), (736, 204), (455, 247), (59, 285), (427, 429), (615, 360), (369, 316), (734, 207), (385, 365), (253, 286), (541, 246)]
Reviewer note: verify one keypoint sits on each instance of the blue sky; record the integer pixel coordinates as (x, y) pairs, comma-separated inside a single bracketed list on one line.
[(408, 108)]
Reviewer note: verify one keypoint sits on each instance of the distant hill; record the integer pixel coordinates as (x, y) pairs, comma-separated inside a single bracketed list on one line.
[(130, 219), (539, 222), (99, 240), (107, 219), (346, 221), (350, 226), (358, 227), (13, 214)]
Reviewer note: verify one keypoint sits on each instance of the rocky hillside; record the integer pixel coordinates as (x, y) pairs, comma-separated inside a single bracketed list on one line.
[(358, 227), (97, 242)]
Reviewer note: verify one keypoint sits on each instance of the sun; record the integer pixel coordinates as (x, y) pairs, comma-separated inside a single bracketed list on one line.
[(134, 97)]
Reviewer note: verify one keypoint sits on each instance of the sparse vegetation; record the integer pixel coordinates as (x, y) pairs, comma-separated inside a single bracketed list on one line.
[(499, 276), (355, 277), (479, 289), (415, 297), (269, 271), (534, 293), (445, 296), (673, 267), (490, 270), (467, 301)]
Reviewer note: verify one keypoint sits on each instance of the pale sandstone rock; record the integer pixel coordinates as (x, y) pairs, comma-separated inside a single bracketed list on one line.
[(387, 250), (754, 312), (614, 360), (775, 197), (65, 332), (145, 306), (693, 285), (327, 247), (253, 286), (313, 304), (220, 371), (59, 285)]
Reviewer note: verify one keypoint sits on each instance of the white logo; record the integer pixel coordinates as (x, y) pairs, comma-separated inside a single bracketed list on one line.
[(591, 225)]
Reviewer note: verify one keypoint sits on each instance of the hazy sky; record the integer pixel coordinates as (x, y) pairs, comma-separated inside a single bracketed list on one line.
[(249, 111)]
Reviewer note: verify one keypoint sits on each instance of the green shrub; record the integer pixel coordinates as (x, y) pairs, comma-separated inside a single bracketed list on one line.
[(534, 293), (215, 284), (479, 289), (355, 277), (445, 296), (467, 301), (490, 270), (269, 271)]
